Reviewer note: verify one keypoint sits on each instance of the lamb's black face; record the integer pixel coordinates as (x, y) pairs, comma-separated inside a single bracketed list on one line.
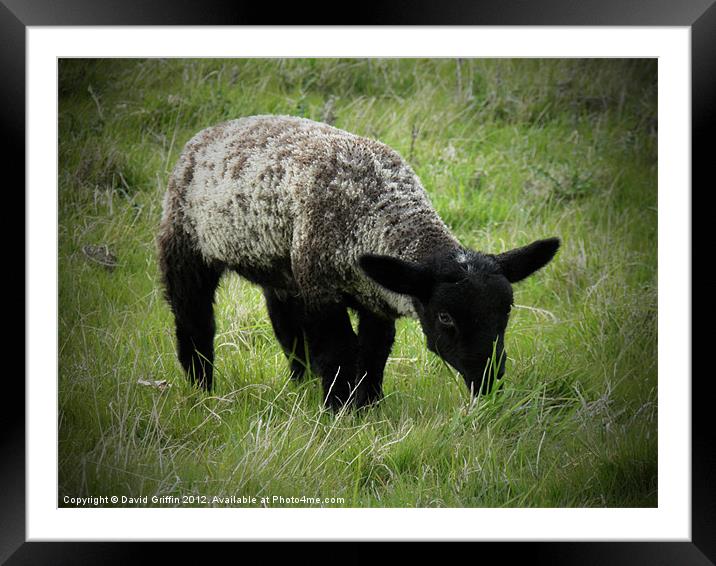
[(463, 301), (464, 323)]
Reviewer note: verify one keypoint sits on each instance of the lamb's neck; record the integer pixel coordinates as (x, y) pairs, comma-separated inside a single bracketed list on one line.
[(437, 239), (429, 243)]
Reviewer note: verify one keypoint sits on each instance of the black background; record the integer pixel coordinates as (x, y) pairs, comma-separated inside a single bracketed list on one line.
[(16, 15)]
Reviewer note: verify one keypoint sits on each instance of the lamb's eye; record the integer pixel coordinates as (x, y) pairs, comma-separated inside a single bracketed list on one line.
[(445, 319)]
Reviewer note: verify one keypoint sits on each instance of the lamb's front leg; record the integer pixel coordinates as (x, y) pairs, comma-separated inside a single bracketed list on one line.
[(333, 352), (376, 335)]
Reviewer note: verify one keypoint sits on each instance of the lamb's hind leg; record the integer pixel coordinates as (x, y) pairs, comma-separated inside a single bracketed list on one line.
[(286, 313), (189, 284), (333, 351)]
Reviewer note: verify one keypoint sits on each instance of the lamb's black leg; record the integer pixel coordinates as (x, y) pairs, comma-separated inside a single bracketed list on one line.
[(189, 285), (286, 313), (375, 339), (333, 351)]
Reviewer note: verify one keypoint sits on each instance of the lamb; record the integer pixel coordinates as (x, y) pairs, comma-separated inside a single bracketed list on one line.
[(325, 221)]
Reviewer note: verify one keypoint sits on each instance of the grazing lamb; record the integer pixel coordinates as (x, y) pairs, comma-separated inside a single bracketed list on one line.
[(323, 221)]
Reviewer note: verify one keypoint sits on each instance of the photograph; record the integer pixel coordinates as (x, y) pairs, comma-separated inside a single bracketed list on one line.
[(357, 282)]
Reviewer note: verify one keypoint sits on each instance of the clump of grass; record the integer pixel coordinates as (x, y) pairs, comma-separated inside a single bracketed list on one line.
[(509, 151)]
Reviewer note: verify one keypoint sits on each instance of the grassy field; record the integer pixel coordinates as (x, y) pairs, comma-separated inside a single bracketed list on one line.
[(510, 151)]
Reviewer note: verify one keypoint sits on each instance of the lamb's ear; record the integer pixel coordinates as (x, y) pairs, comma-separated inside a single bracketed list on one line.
[(397, 275), (522, 262)]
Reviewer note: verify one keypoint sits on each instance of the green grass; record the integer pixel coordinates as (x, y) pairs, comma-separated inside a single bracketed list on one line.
[(509, 151)]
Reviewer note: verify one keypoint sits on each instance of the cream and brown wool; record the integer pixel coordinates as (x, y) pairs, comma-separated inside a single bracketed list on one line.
[(323, 220), (299, 202)]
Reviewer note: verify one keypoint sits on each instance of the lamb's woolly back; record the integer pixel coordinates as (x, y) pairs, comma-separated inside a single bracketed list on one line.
[(295, 203)]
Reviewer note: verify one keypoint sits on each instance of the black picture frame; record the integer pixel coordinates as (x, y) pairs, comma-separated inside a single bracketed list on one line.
[(17, 15)]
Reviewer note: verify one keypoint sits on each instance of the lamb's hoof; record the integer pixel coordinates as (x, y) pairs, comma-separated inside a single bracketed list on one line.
[(298, 372), (339, 398), (368, 398), (335, 403)]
